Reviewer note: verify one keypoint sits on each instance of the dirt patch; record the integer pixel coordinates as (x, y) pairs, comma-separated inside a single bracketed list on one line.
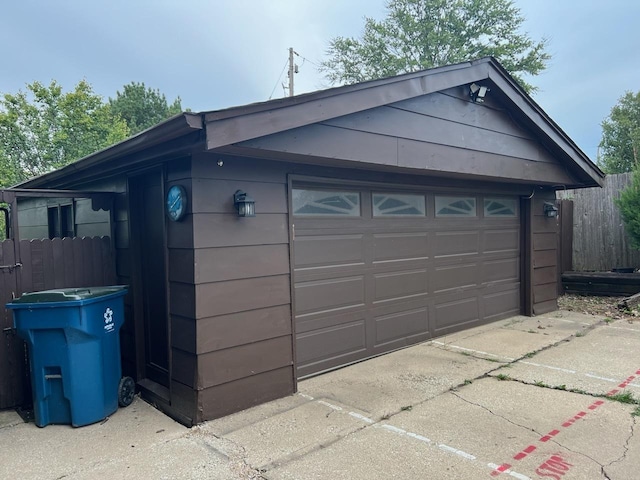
[(594, 305)]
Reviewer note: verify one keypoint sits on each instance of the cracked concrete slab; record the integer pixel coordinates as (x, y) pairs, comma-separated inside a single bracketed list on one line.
[(596, 362), (495, 420), (385, 384), (293, 432), (629, 461), (428, 411), (379, 453), (57, 451)]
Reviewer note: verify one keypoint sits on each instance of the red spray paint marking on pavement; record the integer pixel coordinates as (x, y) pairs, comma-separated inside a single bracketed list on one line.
[(525, 452), (502, 468), (522, 454)]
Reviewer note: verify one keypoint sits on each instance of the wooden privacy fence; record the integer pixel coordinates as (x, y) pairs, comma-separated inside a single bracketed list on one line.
[(44, 264), (600, 242)]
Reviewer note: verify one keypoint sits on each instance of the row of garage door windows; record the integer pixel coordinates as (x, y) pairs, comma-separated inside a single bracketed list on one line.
[(314, 202)]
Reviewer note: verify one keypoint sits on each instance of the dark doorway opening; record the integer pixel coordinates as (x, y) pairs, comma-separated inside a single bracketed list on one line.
[(149, 257)]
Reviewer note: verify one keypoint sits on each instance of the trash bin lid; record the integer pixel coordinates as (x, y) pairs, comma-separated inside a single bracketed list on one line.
[(68, 294)]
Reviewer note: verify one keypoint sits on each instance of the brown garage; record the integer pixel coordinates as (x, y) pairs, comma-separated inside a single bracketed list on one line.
[(386, 213)]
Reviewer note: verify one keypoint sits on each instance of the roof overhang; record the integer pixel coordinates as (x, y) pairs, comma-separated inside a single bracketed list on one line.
[(223, 130), (171, 129), (229, 127)]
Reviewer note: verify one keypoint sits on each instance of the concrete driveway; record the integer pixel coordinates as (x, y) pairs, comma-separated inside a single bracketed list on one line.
[(520, 398)]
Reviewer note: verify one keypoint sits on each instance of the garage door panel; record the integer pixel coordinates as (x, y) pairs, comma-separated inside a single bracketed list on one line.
[(504, 270), (448, 244), (454, 277), (328, 250), (507, 240), (320, 296), (326, 344), (400, 246), (401, 325), (399, 285), (501, 304), (319, 321), (456, 312)]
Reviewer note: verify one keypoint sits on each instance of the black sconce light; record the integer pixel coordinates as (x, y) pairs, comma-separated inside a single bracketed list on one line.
[(550, 210), (245, 205), (478, 92)]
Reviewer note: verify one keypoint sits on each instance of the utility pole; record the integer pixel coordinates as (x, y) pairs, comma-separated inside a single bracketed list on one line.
[(293, 68)]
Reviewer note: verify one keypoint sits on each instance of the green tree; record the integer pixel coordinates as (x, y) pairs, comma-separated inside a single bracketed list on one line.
[(629, 205), (620, 145), (143, 107), (419, 34), (45, 128)]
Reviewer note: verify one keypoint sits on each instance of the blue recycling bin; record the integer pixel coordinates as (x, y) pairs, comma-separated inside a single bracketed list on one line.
[(74, 352)]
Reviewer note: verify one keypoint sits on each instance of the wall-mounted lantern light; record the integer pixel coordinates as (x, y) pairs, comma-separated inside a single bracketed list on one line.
[(245, 205), (550, 210), (478, 92)]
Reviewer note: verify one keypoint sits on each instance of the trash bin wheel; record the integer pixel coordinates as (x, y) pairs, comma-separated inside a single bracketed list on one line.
[(126, 391)]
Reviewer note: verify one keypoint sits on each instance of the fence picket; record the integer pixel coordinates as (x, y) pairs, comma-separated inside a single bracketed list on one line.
[(600, 242)]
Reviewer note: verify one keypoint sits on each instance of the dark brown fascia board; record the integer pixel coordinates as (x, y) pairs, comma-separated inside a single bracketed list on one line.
[(177, 126), (240, 124)]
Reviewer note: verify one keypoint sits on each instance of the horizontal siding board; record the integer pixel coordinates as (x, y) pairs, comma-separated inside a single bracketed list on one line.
[(545, 258), (247, 392), (331, 142), (205, 165), (184, 400), (222, 230), (181, 265), (543, 293), (183, 367), (545, 275), (398, 123), (447, 106), (545, 307), (216, 196), (232, 296), (182, 299), (222, 366), (183, 333), (230, 263), (545, 241), (542, 224), (180, 234), (461, 161), (225, 331)]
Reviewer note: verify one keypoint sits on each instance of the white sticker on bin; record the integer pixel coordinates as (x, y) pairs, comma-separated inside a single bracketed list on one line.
[(108, 320)]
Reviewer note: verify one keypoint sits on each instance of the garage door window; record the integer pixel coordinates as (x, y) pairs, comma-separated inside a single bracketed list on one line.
[(325, 202), (398, 205), (500, 207), (455, 206)]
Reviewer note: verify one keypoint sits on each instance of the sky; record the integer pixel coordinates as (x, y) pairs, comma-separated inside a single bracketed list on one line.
[(221, 53)]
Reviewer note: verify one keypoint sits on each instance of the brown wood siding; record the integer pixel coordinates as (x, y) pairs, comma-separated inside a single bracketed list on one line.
[(440, 132), (241, 286), (244, 392), (181, 277), (544, 254)]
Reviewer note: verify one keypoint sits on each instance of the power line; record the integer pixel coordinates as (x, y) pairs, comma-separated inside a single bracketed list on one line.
[(279, 77)]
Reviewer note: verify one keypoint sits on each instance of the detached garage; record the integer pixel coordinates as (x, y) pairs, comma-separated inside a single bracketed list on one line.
[(386, 213)]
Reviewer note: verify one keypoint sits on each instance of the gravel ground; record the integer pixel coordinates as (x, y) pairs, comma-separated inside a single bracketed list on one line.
[(595, 305)]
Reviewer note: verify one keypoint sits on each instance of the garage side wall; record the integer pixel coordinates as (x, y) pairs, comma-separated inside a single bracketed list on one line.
[(244, 344), (544, 255)]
